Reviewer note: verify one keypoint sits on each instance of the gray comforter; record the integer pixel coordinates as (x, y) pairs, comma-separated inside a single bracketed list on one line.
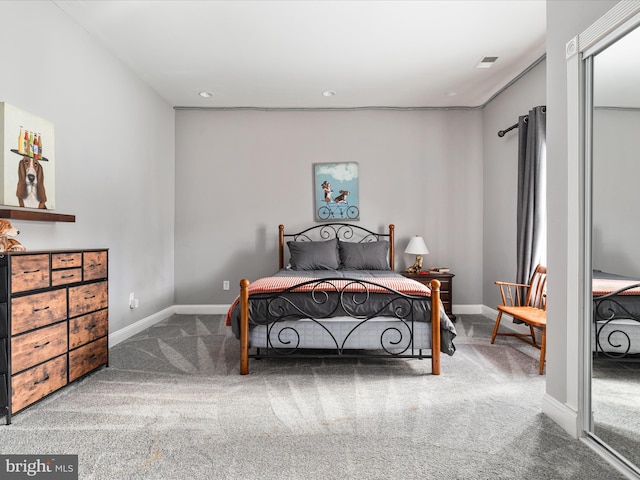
[(272, 307)]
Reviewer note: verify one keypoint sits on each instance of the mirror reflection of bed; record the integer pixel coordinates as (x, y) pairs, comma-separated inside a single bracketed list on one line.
[(615, 230)]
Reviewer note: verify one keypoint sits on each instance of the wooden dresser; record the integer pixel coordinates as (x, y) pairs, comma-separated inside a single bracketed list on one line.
[(54, 322)]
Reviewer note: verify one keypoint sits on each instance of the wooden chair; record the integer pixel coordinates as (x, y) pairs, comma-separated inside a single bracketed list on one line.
[(527, 303)]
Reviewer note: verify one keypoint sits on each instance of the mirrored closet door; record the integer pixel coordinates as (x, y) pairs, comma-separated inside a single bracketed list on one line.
[(612, 195)]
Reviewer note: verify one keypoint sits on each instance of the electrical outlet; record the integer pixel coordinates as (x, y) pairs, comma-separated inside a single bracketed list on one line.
[(225, 285)]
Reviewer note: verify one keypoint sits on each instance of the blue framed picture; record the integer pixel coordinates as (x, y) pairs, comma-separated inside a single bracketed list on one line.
[(336, 192)]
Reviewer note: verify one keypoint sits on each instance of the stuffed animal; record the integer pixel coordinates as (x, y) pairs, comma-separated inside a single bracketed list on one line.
[(8, 244)]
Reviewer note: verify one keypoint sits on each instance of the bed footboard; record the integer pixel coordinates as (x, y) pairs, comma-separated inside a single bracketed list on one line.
[(616, 318), (435, 326), (244, 326), (434, 317)]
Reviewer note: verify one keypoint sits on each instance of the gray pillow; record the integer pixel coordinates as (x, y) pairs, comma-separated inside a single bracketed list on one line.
[(314, 255), (364, 256)]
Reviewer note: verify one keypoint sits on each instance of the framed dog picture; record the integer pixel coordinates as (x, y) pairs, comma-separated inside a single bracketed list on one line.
[(27, 152), (335, 190)]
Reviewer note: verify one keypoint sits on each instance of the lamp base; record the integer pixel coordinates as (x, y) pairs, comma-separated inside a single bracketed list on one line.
[(416, 267)]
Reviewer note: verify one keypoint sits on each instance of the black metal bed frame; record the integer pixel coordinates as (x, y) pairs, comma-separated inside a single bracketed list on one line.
[(341, 231), (607, 309), (393, 305), (281, 307)]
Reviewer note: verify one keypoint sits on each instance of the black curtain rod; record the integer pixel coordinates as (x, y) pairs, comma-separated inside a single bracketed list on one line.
[(502, 133)]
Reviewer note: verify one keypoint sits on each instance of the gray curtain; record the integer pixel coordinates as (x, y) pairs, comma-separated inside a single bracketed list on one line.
[(532, 193)]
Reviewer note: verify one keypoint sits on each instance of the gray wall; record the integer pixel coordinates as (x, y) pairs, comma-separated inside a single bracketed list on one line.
[(500, 180), (114, 152), (241, 173), (565, 20), (615, 191)]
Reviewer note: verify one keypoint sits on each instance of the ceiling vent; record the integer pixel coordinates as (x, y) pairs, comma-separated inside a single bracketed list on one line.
[(486, 62)]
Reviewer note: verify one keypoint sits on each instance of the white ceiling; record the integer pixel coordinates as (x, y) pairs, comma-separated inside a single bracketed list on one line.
[(285, 54)]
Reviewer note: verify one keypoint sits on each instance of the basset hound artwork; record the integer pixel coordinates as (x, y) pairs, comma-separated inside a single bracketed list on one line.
[(28, 159), (31, 191)]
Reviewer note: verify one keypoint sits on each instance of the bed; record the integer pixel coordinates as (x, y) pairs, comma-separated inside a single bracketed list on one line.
[(616, 316), (338, 296)]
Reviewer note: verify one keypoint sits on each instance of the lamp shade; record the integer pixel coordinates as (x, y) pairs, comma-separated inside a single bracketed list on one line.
[(416, 246)]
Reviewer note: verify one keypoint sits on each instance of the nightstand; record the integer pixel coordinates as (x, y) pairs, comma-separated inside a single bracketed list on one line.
[(446, 287)]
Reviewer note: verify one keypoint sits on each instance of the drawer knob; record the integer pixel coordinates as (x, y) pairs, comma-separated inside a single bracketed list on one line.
[(41, 381), (68, 276), (43, 345), (91, 327), (31, 271), (89, 297), (41, 309), (94, 265)]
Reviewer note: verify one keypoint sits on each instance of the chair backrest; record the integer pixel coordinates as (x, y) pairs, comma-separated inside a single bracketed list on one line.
[(537, 294)]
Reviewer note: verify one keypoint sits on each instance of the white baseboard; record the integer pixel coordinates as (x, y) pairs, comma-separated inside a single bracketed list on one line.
[(560, 413), (137, 327), (201, 309), (467, 309), (130, 330), (489, 312)]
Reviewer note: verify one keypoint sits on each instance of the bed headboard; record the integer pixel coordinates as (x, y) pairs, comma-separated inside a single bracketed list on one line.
[(346, 232)]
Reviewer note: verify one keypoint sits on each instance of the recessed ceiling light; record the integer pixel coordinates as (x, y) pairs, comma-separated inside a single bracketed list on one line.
[(329, 93), (450, 94), (486, 62), (206, 94)]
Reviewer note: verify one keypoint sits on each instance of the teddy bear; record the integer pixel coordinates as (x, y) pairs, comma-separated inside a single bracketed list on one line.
[(7, 243)]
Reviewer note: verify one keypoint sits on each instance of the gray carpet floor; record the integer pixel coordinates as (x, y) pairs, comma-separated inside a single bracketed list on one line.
[(171, 405), (615, 397)]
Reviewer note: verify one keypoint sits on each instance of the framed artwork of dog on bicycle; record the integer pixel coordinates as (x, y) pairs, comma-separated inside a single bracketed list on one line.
[(336, 192)]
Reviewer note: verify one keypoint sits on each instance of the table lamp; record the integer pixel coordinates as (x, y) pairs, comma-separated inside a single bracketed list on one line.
[(418, 248)]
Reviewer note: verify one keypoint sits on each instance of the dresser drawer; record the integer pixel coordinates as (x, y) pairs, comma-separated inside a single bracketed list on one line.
[(66, 260), (38, 346), (29, 272), (38, 310), (87, 358), (87, 328), (64, 277), (31, 385), (95, 265), (87, 298)]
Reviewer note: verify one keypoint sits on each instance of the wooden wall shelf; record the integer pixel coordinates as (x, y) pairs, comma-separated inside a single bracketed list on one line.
[(35, 215)]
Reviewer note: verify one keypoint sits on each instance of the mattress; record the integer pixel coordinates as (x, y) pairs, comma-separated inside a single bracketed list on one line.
[(345, 333), (617, 337)]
